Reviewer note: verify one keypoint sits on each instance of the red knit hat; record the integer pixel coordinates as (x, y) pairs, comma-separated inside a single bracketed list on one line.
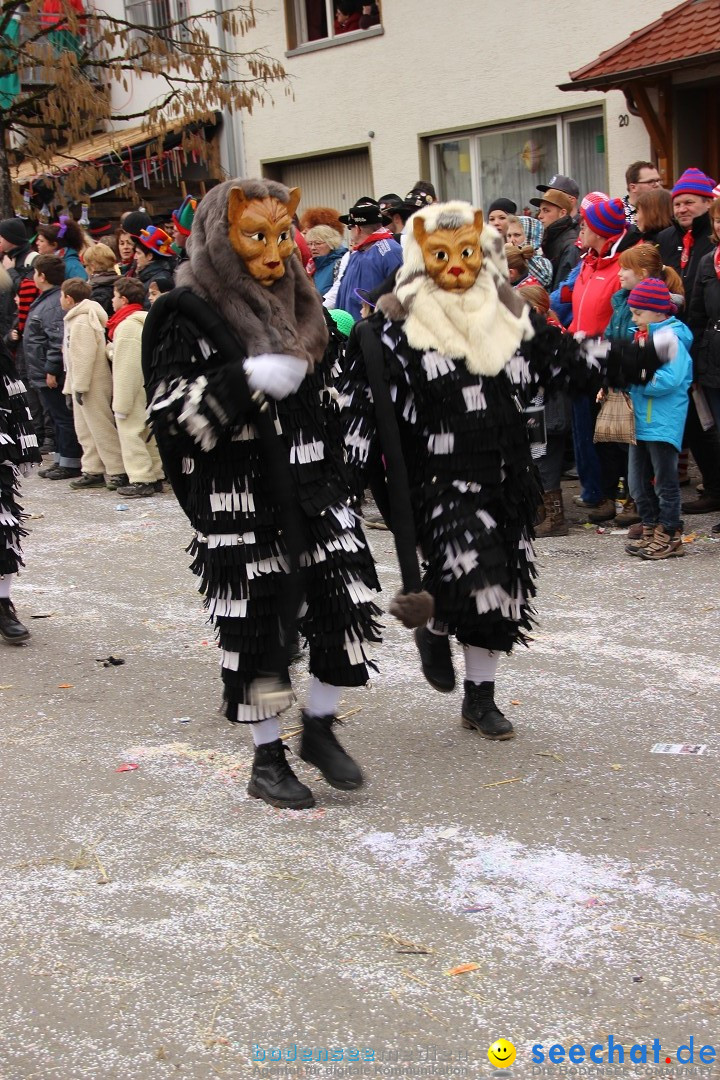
[(694, 182), (651, 294), (606, 218)]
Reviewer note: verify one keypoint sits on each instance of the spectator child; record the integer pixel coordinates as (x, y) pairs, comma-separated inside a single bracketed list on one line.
[(101, 265), (42, 342), (660, 409), (141, 460), (89, 382)]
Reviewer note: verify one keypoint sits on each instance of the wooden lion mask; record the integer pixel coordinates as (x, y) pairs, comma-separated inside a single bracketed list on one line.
[(260, 231)]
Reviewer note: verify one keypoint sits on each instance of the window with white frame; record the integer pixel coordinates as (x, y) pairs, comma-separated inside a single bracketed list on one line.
[(509, 161), (160, 15), (311, 21)]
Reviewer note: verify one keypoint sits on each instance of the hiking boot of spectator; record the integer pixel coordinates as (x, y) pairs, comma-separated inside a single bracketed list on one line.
[(606, 511), (635, 531), (87, 480), (704, 504), (637, 546), (664, 545), (554, 523), (112, 483), (59, 472), (628, 515), (137, 491)]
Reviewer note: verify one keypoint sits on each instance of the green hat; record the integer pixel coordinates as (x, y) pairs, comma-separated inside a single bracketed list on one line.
[(183, 216), (343, 320)]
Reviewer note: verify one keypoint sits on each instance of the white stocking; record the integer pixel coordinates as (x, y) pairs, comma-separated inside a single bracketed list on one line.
[(323, 699), (480, 664), (5, 583), (266, 731)]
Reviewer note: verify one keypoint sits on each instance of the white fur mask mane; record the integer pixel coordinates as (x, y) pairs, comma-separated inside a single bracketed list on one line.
[(483, 325)]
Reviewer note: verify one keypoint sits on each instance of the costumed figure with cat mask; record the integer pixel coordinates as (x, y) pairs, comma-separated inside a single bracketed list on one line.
[(237, 364), (435, 388)]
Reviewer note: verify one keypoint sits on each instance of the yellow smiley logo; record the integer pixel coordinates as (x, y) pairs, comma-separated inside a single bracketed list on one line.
[(501, 1054)]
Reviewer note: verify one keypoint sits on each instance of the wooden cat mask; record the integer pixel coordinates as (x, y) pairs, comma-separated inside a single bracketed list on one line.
[(452, 257), (260, 231)]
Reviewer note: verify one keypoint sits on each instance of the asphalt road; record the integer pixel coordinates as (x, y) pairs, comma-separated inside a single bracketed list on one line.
[(157, 922)]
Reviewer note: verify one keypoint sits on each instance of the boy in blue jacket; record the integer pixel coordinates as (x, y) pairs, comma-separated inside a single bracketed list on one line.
[(660, 410)]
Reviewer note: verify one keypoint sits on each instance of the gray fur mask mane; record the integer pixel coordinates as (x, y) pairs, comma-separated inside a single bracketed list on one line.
[(287, 317)]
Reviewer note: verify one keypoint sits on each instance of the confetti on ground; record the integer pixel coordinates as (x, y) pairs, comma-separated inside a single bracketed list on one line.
[(65, 685), (692, 749), (129, 766)]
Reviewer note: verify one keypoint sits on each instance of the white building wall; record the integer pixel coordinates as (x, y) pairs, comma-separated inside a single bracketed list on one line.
[(438, 67)]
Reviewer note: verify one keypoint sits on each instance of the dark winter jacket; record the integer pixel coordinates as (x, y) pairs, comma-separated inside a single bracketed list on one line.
[(704, 320), (160, 269), (559, 247), (670, 242), (103, 285), (43, 338), (633, 236)]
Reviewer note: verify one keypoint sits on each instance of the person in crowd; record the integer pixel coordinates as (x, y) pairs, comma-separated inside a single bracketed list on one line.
[(634, 266), (375, 254), (43, 345), (126, 252), (525, 230), (101, 265), (566, 184), (660, 408), (88, 381), (154, 256), (65, 239), (157, 288), (326, 250), (518, 266), (18, 450), (498, 213), (181, 226), (141, 460), (683, 246), (603, 226), (560, 232), (393, 213), (557, 415), (653, 213), (703, 318), (322, 215), (347, 16), (640, 177)]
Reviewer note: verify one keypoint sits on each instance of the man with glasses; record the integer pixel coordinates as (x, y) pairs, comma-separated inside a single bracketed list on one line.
[(640, 176)]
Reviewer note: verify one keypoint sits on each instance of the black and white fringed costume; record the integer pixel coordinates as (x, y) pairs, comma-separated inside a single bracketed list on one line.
[(459, 369), (262, 481), (18, 451)]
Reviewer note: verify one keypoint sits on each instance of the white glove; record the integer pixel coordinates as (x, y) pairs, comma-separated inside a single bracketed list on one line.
[(665, 344), (596, 349), (275, 374)]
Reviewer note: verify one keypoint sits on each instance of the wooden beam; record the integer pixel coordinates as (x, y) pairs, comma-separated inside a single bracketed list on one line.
[(660, 136), (665, 108)]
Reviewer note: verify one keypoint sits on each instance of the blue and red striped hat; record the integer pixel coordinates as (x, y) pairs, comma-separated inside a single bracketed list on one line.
[(652, 294), (694, 182), (606, 218)]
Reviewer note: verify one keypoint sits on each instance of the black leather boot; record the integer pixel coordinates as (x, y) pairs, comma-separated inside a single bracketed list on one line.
[(273, 781), (319, 747), (11, 629), (480, 713), (436, 659)]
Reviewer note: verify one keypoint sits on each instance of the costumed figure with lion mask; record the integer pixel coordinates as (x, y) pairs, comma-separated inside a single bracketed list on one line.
[(237, 364), (437, 386)]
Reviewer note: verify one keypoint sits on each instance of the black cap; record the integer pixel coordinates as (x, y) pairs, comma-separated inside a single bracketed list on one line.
[(135, 222), (561, 183), (13, 230), (366, 211)]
